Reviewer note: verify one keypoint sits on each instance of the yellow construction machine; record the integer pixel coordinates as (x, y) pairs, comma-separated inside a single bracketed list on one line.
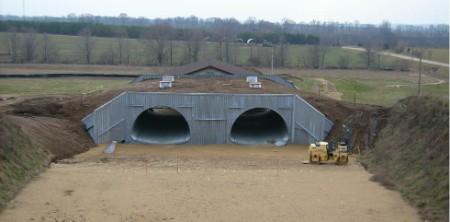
[(322, 152)]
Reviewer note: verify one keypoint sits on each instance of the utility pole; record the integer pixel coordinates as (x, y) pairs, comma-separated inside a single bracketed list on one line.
[(420, 76), (272, 60), (23, 10), (419, 54)]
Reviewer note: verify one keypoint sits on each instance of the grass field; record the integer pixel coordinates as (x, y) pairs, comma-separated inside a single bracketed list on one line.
[(46, 86), (436, 54), (375, 91), (68, 51), (360, 86)]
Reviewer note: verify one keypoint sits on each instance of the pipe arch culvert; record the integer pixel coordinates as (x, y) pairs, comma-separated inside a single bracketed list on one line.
[(260, 126), (160, 125)]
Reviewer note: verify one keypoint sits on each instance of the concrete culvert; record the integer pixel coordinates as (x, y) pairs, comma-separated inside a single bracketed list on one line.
[(259, 126), (160, 125)]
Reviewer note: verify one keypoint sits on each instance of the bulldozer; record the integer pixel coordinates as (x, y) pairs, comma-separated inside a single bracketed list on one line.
[(321, 152)]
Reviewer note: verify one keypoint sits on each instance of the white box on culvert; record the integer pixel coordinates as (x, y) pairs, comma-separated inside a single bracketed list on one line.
[(168, 78), (251, 79), (165, 84), (255, 85)]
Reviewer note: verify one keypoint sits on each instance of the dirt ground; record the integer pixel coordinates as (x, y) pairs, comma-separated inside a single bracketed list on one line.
[(204, 183)]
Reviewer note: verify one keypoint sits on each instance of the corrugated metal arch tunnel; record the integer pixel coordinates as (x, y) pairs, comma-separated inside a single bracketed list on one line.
[(206, 118), (160, 125), (259, 126)]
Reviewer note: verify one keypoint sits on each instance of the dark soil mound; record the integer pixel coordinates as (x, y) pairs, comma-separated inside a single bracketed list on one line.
[(411, 155)]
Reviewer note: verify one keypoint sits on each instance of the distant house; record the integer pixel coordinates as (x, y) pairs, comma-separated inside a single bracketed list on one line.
[(212, 68)]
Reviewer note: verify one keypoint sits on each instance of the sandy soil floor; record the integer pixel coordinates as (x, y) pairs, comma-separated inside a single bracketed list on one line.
[(204, 183)]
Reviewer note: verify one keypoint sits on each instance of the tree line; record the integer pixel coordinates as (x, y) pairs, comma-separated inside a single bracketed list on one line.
[(102, 30), (166, 44), (330, 33), (278, 38)]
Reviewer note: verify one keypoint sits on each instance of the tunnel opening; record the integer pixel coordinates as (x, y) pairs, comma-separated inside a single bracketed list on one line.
[(259, 126), (160, 125)]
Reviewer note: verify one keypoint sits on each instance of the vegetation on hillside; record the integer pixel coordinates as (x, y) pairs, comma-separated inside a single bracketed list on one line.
[(411, 155), (20, 160)]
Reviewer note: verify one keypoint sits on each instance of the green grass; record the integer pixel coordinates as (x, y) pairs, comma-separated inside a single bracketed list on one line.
[(308, 84), (433, 54), (68, 50), (382, 92), (436, 54), (375, 91), (41, 86)]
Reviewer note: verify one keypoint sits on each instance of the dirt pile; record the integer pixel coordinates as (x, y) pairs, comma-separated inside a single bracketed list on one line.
[(411, 155), (364, 120)]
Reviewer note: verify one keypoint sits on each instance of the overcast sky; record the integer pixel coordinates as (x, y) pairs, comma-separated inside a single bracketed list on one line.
[(365, 11)]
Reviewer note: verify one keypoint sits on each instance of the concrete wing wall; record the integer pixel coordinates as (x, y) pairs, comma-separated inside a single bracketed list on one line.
[(310, 124)]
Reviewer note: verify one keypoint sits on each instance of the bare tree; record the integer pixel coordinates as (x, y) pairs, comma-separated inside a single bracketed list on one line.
[(29, 45), (155, 38), (235, 52), (312, 59), (193, 45), (223, 35), (368, 53), (108, 56), (13, 43), (87, 45), (322, 52), (281, 55), (402, 64), (219, 47), (171, 37), (344, 62), (419, 54), (387, 36), (49, 51), (121, 35)]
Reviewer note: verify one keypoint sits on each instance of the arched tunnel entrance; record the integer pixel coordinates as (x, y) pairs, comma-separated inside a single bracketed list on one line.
[(259, 126), (160, 125)]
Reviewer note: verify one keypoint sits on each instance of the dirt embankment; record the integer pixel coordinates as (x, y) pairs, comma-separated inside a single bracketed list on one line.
[(34, 133), (29, 143), (204, 183), (411, 155)]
